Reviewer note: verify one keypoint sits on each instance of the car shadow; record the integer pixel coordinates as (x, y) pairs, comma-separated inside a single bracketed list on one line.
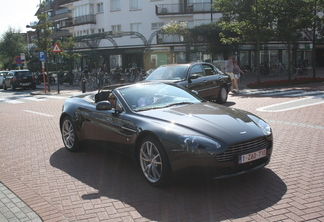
[(228, 104), (116, 176)]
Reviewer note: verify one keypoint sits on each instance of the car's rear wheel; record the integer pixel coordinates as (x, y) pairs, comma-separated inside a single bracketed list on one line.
[(69, 136), (154, 162), (222, 95)]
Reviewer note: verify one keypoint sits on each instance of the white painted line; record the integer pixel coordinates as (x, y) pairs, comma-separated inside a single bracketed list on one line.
[(34, 99), (12, 101), (42, 114), (294, 104), (304, 94), (282, 93)]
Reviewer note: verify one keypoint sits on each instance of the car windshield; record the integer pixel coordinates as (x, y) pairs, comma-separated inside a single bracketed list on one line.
[(168, 73), (142, 97), (22, 73)]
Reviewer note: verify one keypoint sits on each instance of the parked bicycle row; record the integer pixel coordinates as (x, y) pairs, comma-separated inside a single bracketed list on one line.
[(279, 68), (95, 79)]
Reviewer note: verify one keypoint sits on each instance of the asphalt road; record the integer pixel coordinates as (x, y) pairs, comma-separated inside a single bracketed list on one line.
[(100, 185)]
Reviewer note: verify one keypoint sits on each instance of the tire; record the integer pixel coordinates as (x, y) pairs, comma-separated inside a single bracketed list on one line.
[(294, 71), (52, 79), (69, 136), (154, 162), (4, 86), (222, 95)]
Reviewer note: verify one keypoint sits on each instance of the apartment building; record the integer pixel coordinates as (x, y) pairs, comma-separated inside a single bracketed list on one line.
[(118, 32)]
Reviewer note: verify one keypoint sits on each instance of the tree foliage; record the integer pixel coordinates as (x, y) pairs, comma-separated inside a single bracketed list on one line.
[(11, 45)]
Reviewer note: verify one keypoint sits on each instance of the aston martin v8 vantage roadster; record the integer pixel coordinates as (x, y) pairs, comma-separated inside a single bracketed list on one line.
[(168, 130)]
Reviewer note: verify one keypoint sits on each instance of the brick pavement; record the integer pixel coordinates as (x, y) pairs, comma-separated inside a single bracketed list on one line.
[(98, 185)]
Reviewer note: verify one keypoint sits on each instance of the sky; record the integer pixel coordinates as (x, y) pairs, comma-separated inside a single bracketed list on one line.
[(17, 14)]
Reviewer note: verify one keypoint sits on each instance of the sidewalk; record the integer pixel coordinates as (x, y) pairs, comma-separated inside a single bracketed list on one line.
[(252, 78), (12, 208)]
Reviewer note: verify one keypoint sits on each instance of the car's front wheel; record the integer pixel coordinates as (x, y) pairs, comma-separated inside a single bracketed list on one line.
[(154, 162), (69, 136), (222, 95)]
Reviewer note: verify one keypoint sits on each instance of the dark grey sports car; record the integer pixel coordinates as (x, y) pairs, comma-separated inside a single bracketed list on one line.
[(203, 77), (168, 130)]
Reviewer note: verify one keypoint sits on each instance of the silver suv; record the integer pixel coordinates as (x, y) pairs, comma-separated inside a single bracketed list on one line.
[(2, 76)]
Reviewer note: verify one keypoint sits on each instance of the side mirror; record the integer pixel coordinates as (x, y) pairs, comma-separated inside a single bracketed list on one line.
[(103, 105)]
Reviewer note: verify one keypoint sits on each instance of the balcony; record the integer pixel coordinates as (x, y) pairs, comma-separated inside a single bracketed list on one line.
[(64, 2), (85, 19), (176, 9), (61, 14), (58, 33), (66, 23)]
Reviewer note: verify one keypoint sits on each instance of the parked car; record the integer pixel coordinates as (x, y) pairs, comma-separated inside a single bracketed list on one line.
[(19, 79), (175, 133), (203, 77), (2, 76)]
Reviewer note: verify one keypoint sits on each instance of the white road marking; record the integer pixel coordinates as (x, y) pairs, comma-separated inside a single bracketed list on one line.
[(38, 113), (294, 104), (11, 101), (296, 124)]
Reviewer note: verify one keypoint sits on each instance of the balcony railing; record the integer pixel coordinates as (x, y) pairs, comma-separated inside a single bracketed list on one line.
[(62, 13), (171, 9), (85, 19), (57, 33), (63, 2)]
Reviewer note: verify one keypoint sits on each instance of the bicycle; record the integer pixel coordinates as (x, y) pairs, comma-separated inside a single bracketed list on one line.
[(300, 71), (136, 73), (91, 82)]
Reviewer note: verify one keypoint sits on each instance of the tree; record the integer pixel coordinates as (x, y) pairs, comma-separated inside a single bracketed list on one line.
[(180, 30), (67, 45), (252, 20), (11, 45), (315, 31), (292, 17)]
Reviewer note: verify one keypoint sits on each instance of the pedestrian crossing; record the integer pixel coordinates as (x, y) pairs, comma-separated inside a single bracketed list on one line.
[(281, 93), (18, 99)]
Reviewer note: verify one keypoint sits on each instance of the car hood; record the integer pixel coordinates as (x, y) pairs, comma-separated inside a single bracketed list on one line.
[(227, 124)]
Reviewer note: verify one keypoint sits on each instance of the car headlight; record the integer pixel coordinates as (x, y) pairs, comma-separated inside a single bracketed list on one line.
[(192, 142), (265, 128)]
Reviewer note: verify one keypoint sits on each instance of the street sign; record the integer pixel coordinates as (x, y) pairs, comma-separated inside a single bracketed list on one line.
[(18, 60), (56, 48), (42, 56), (22, 56)]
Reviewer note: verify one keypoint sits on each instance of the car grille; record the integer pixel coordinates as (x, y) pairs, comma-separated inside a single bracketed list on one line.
[(231, 153)]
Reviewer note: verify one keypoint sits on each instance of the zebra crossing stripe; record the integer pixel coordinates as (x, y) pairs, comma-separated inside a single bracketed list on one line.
[(12, 101)]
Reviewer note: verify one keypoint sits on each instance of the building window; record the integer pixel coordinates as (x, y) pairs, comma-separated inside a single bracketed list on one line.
[(157, 25), (101, 30), (114, 5), (83, 10), (135, 4), (136, 27), (100, 7), (116, 28)]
